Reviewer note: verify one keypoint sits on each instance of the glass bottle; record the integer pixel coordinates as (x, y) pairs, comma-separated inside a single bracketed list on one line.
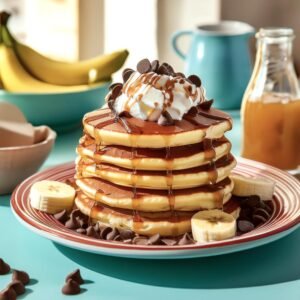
[(271, 104)]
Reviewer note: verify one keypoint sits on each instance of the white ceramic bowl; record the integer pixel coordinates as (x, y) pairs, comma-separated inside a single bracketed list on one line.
[(17, 163)]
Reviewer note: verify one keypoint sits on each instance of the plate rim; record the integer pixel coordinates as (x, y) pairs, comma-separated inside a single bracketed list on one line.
[(38, 228)]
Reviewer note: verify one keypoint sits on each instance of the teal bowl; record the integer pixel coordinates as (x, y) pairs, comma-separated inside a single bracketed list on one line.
[(60, 111)]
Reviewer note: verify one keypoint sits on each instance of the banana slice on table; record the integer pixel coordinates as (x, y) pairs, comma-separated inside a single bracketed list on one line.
[(51, 196), (213, 225), (244, 186)]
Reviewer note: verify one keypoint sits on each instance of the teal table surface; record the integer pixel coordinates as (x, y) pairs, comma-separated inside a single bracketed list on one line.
[(268, 272)]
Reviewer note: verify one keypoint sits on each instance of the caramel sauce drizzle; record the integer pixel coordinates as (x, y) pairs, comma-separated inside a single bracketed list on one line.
[(92, 209), (210, 154), (170, 179), (137, 220)]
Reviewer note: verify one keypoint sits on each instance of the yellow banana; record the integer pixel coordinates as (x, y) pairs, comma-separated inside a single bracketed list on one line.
[(56, 72), (48, 70), (16, 79)]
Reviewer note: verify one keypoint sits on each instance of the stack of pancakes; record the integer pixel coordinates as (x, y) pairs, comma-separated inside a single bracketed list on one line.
[(152, 178)]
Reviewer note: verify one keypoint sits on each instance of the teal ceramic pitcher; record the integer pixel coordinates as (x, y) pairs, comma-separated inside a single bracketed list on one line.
[(219, 55)]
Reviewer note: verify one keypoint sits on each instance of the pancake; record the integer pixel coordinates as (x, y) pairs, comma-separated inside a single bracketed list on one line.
[(205, 197), (106, 129), (177, 179), (178, 158), (168, 223)]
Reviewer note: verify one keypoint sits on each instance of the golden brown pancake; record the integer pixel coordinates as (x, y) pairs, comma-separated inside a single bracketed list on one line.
[(204, 197), (177, 179), (175, 158), (106, 129), (169, 223)]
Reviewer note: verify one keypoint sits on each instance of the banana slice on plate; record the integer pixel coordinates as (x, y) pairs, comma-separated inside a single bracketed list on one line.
[(245, 186), (51, 196), (213, 225)]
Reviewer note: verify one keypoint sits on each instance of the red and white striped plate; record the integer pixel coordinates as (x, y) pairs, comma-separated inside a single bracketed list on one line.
[(285, 219)]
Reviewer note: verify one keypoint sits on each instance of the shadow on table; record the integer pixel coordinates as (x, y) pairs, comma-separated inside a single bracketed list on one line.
[(274, 263), (5, 200)]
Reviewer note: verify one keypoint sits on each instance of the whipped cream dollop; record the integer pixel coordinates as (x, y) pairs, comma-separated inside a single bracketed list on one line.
[(150, 95)]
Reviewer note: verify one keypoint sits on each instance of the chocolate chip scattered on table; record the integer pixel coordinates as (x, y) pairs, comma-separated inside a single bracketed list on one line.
[(17, 286), (4, 267), (72, 283)]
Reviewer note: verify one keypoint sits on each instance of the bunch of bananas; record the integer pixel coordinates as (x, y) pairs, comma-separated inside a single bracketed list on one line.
[(22, 69)]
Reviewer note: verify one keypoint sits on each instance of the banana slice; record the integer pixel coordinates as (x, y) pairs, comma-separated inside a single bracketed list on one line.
[(213, 225), (244, 186), (51, 196)]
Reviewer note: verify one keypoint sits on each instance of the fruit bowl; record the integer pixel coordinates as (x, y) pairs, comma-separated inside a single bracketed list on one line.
[(61, 111)]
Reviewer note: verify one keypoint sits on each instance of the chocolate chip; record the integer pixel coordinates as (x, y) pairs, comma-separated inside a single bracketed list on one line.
[(165, 119), (17, 286), (193, 111), (104, 232), (154, 239), (179, 74), (4, 267), (90, 231), (72, 223), (116, 91), (206, 105), (169, 242), (71, 288), (262, 212), (126, 234), (245, 226), (165, 69), (82, 223), (117, 238), (81, 230), (110, 104), (113, 85), (154, 65), (185, 240), (76, 213), (125, 114), (21, 276), (140, 241), (8, 294), (97, 227), (257, 219), (251, 201), (246, 213), (62, 216), (266, 206), (126, 74), (144, 66), (194, 79), (170, 70), (111, 235), (76, 276)]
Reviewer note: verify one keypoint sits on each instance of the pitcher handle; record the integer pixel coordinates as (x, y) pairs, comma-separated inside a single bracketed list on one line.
[(174, 39)]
